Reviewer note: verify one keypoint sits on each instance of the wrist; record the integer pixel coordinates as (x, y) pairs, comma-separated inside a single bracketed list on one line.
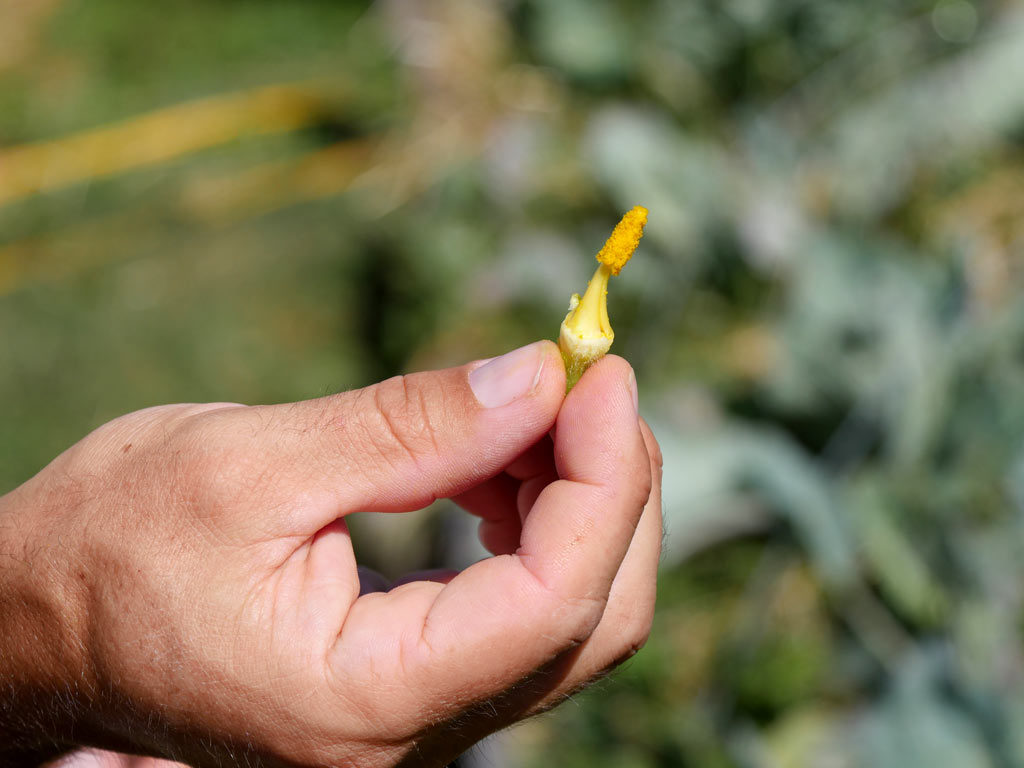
[(43, 679)]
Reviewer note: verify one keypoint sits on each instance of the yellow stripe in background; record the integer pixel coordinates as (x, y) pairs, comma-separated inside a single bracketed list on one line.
[(151, 138)]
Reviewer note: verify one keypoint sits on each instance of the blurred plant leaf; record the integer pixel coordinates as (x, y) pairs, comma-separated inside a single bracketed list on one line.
[(914, 724), (730, 480)]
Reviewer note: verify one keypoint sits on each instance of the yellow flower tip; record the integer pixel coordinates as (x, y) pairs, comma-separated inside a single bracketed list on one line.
[(586, 334), (623, 240)]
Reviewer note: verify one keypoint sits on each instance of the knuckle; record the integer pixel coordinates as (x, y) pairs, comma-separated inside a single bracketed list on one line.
[(627, 645), (627, 624), (574, 618), (635, 630), (636, 638), (397, 422), (582, 616), (209, 471)]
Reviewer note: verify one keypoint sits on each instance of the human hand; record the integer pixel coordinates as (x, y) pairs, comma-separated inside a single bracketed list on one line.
[(181, 582)]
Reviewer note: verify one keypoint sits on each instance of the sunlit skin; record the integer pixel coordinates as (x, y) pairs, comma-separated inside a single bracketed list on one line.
[(181, 584)]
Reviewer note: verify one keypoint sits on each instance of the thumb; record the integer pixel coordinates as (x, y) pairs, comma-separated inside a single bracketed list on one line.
[(400, 444)]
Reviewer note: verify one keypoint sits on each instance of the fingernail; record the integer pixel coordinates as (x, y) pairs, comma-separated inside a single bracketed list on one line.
[(508, 377), (631, 383)]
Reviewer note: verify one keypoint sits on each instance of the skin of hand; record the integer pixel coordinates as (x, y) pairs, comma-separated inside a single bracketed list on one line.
[(181, 583)]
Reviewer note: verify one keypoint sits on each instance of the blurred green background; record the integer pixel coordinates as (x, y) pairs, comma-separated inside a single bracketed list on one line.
[(267, 200)]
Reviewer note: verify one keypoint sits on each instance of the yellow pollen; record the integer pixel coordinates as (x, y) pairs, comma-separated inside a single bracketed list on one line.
[(623, 240)]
